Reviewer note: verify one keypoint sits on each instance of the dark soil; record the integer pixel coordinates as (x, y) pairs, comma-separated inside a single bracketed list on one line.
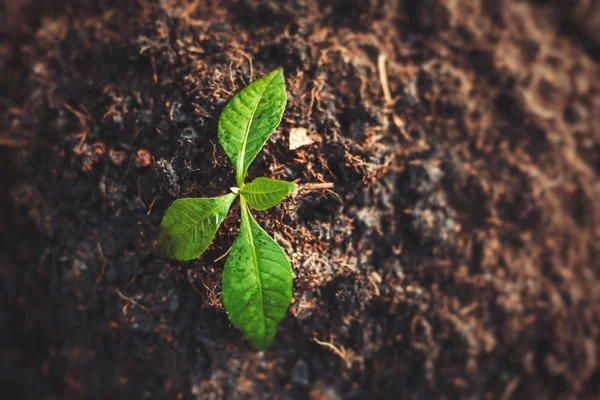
[(444, 242)]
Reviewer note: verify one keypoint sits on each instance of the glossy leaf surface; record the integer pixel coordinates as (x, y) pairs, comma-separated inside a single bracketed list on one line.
[(189, 225), (257, 282), (249, 119), (264, 193)]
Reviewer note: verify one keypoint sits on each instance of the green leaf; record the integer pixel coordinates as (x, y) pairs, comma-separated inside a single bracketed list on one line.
[(257, 282), (263, 193), (250, 118), (189, 226)]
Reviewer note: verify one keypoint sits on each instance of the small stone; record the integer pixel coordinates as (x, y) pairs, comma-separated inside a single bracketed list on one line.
[(298, 138), (300, 373), (117, 157), (142, 158)]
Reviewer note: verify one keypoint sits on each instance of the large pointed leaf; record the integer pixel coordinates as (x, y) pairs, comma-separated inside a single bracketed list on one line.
[(189, 226), (263, 193), (257, 282), (250, 118)]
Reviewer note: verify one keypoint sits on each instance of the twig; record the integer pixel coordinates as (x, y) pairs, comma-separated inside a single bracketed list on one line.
[(332, 347), (349, 266), (223, 256), (82, 136), (131, 300), (101, 253), (8, 142), (510, 388), (189, 9), (339, 351), (231, 76), (152, 205), (384, 78), (78, 114), (317, 186), (214, 299), (335, 194), (153, 62)]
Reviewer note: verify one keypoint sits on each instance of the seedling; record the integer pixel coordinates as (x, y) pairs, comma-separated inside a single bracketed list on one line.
[(257, 279)]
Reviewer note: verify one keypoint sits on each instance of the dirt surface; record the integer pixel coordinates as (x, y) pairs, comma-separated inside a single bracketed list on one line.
[(444, 240)]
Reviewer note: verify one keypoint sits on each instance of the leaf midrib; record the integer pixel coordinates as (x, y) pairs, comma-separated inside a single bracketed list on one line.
[(246, 222), (259, 192), (242, 154)]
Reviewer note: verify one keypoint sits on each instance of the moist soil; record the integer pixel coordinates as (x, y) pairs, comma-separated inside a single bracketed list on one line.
[(444, 238)]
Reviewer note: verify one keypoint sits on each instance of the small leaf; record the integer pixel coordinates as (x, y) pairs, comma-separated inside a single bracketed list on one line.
[(250, 118), (189, 226), (263, 193), (257, 282)]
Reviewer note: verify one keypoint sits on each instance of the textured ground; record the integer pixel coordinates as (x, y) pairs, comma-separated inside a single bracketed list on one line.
[(444, 242)]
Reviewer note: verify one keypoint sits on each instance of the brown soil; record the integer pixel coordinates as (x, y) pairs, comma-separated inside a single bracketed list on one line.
[(445, 240)]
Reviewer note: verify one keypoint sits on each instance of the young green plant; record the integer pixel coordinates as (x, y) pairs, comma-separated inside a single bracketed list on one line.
[(257, 278)]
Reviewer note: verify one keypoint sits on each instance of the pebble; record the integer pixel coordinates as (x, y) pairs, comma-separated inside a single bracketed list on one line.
[(300, 373)]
